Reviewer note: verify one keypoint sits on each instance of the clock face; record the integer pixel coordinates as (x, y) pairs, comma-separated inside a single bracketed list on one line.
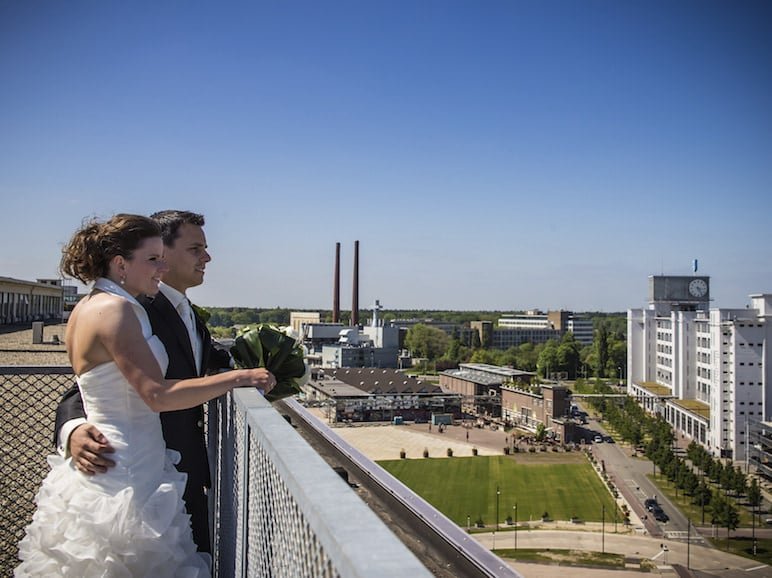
[(698, 288)]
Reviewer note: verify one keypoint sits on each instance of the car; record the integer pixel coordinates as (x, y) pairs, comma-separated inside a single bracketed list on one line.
[(608, 439), (660, 515), (598, 439), (650, 503)]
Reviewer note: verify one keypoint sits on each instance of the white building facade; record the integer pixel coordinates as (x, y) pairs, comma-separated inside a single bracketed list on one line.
[(560, 321), (704, 370)]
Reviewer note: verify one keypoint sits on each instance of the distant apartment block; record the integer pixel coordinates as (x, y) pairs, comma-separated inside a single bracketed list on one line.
[(532, 327), (706, 371), (561, 321)]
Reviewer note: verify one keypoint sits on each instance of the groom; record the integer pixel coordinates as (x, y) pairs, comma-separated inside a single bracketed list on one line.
[(190, 355)]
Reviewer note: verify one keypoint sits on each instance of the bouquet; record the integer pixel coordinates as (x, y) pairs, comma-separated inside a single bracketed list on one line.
[(277, 350)]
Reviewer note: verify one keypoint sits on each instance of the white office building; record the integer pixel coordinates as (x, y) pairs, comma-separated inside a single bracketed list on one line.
[(560, 321), (704, 370)]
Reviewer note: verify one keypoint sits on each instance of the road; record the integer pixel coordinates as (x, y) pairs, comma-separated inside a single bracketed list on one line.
[(630, 475), (662, 552)]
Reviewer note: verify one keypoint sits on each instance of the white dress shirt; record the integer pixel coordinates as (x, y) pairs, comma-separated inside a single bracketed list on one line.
[(181, 303)]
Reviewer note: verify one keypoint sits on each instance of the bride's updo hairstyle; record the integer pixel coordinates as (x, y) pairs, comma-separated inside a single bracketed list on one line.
[(88, 254)]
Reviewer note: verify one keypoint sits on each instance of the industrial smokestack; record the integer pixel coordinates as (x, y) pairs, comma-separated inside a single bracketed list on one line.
[(336, 287), (355, 296)]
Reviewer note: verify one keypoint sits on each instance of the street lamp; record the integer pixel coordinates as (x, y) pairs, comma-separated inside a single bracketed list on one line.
[(515, 525), (498, 493), (603, 529)]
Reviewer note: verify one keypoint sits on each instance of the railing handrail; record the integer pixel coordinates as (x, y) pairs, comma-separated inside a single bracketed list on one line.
[(465, 545), (35, 369), (357, 542)]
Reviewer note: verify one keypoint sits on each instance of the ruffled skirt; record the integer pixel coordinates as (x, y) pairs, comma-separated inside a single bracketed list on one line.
[(81, 529)]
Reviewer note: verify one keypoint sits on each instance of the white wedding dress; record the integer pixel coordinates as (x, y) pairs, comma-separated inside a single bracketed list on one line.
[(130, 521)]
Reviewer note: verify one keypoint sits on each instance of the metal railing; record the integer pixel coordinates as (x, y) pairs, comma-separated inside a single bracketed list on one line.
[(28, 396), (278, 509)]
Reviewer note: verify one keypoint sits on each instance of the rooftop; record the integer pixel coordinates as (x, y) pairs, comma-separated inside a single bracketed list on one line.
[(693, 406)]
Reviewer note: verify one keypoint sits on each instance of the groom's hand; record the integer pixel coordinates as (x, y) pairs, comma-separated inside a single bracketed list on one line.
[(88, 448)]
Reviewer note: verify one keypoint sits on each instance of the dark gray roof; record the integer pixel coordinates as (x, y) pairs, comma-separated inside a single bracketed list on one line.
[(382, 381)]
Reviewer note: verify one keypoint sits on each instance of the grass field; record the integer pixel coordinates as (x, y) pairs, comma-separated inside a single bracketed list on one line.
[(563, 557), (466, 487)]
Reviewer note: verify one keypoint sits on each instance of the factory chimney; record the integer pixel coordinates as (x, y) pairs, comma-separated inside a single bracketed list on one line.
[(355, 296), (336, 287)]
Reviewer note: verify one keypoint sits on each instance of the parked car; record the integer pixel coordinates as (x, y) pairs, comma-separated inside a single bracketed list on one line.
[(598, 439)]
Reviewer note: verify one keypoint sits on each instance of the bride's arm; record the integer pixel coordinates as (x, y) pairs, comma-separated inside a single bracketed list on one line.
[(121, 334)]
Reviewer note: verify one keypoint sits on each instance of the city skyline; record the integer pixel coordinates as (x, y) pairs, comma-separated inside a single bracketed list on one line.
[(499, 156)]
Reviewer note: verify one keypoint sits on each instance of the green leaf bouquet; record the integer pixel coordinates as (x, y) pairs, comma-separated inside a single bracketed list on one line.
[(277, 350)]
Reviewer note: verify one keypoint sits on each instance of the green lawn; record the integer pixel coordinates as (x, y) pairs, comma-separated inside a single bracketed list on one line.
[(461, 487), (563, 557)]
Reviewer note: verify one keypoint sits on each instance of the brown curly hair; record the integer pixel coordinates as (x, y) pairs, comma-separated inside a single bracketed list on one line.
[(88, 254)]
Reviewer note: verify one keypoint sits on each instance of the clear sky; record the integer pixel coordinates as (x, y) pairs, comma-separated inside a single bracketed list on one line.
[(486, 154)]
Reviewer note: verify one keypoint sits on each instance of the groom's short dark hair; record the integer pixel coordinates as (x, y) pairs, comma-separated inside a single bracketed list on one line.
[(171, 221)]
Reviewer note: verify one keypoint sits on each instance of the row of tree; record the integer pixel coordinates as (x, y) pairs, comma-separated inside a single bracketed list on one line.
[(706, 480), (604, 358)]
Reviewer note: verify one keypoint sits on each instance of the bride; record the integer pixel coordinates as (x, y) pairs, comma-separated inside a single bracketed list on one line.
[(130, 521)]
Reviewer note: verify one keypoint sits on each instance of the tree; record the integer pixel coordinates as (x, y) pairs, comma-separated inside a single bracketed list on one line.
[(426, 341), (601, 349), (703, 495), (548, 359), (727, 478), (528, 356), (568, 355), (740, 482), (724, 513), (617, 357), (488, 356), (476, 343), (754, 494)]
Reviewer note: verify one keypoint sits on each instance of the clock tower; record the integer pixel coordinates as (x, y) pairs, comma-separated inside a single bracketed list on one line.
[(680, 292)]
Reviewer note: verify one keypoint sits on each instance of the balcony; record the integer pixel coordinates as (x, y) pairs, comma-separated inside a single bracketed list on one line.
[(278, 508)]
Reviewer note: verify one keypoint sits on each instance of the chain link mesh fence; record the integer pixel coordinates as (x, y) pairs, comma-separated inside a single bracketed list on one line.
[(28, 396)]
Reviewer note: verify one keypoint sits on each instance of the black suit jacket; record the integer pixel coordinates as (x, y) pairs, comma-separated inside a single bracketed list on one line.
[(184, 429)]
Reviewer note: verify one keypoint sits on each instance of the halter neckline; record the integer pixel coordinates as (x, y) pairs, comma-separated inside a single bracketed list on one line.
[(108, 286)]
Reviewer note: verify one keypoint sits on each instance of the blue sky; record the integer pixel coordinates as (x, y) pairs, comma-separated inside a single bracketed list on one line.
[(486, 154)]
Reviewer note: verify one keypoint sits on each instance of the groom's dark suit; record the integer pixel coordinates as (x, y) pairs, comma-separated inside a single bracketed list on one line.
[(184, 429)]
